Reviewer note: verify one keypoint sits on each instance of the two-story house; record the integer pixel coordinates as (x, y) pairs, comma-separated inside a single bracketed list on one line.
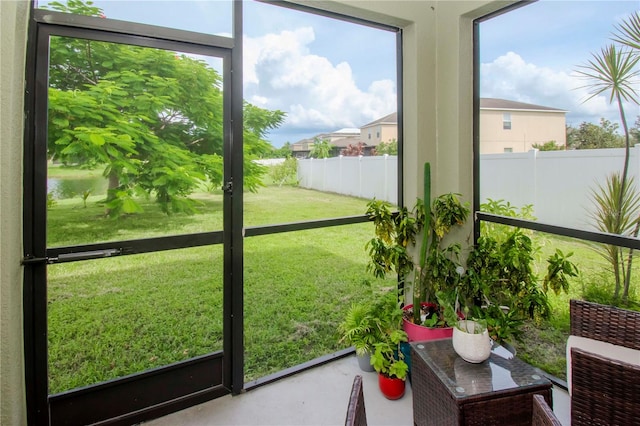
[(509, 126), (384, 129), (505, 126)]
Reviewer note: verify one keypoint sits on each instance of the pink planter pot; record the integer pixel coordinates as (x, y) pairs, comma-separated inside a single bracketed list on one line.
[(417, 332), (391, 388)]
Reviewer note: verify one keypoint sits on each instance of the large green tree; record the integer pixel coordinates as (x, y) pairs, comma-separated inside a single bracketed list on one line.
[(153, 118), (594, 136)]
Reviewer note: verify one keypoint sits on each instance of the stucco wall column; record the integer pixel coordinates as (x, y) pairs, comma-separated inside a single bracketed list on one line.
[(13, 36)]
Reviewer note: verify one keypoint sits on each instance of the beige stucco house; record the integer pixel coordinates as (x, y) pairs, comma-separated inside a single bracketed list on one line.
[(509, 126), (505, 126), (384, 129)]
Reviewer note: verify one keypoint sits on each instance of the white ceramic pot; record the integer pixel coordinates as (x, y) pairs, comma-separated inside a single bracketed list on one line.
[(472, 346)]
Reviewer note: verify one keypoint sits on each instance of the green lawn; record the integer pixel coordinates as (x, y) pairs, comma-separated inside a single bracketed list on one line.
[(117, 316)]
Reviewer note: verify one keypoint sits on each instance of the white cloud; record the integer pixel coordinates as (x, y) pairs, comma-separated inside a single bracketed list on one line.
[(511, 77), (281, 72)]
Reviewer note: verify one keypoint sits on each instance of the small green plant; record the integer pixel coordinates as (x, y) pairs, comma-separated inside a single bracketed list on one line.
[(472, 326), (503, 324), (387, 357), (360, 328), (559, 268), (85, 195), (285, 172), (51, 201)]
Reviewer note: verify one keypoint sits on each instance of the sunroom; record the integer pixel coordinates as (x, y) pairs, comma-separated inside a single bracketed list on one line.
[(153, 264)]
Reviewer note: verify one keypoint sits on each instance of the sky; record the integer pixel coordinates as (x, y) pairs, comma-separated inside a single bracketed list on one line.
[(327, 74), (531, 54)]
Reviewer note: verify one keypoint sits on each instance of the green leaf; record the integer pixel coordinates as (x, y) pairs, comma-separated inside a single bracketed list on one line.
[(60, 122), (96, 139), (129, 206)]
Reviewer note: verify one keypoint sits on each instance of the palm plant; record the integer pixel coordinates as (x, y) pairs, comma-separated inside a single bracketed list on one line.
[(616, 209), (614, 71), (360, 328)]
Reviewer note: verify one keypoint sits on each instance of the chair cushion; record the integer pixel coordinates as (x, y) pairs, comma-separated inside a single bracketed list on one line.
[(608, 350)]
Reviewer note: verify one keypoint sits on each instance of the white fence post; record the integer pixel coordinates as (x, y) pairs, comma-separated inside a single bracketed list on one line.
[(386, 176), (533, 167), (359, 175)]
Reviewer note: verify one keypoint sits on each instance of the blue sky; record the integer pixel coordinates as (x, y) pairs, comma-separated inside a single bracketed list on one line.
[(327, 74), (531, 55)]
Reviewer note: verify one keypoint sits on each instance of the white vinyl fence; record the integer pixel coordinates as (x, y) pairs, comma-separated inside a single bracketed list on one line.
[(364, 177), (557, 183)]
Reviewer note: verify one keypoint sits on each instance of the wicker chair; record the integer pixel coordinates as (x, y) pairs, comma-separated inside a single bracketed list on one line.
[(604, 391), (356, 415), (542, 413)]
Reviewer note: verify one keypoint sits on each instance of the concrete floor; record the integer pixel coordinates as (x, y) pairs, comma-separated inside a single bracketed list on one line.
[(315, 397)]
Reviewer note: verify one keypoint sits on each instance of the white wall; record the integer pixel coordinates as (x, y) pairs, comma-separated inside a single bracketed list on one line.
[(13, 34)]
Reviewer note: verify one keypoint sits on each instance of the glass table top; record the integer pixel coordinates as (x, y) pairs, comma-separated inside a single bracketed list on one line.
[(502, 371)]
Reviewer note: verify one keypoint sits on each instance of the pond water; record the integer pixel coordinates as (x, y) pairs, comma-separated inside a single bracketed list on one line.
[(74, 187)]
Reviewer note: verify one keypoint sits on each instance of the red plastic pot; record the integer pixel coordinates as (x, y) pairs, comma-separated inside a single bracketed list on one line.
[(416, 332), (391, 387)]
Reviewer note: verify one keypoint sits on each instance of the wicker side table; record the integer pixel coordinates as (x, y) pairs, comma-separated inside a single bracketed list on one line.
[(450, 391)]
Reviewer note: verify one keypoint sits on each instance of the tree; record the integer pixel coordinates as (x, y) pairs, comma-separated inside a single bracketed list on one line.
[(548, 146), (635, 131), (593, 136), (390, 148), (614, 71), (353, 150), (285, 151), (153, 118), (321, 149)]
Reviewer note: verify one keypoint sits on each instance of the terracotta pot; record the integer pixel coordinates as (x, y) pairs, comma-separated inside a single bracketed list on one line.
[(416, 332), (391, 387)]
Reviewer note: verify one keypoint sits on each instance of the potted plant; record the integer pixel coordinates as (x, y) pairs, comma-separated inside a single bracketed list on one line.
[(470, 337), (388, 359), (499, 287), (435, 270), (360, 329), (471, 340)]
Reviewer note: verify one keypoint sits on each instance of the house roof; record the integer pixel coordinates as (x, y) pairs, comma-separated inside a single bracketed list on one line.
[(493, 103), (345, 142), (387, 119), (347, 130)]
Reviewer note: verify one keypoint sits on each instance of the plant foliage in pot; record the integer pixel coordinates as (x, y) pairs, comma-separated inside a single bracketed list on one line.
[(389, 251), (387, 358), (470, 338), (363, 327), (501, 286)]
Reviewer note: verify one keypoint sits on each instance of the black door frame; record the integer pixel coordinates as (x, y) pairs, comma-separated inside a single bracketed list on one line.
[(166, 389)]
